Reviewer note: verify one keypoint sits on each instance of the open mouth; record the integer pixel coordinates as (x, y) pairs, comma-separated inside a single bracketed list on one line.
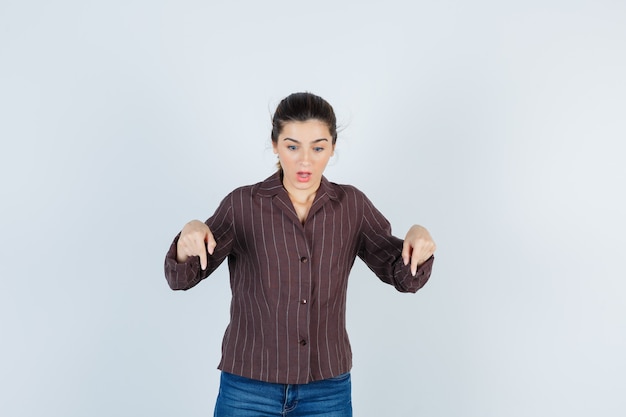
[(303, 176)]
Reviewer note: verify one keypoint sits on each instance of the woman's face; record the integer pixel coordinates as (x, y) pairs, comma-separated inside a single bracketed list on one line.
[(304, 149)]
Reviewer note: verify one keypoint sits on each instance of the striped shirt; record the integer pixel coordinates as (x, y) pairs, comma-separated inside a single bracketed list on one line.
[(289, 280)]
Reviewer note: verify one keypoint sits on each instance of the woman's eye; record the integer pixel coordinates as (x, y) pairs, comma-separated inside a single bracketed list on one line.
[(291, 147), (318, 149)]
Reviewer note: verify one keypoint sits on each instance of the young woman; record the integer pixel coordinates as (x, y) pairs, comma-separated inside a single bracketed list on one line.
[(290, 242)]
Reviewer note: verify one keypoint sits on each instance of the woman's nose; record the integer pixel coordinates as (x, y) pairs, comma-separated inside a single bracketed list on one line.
[(306, 158)]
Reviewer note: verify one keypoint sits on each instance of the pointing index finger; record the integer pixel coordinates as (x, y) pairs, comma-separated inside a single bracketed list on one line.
[(203, 259), (406, 252), (414, 263)]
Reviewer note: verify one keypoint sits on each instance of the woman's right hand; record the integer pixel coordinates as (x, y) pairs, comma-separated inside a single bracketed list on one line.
[(192, 241)]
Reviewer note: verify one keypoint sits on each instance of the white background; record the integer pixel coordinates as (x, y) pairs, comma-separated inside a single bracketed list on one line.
[(499, 125)]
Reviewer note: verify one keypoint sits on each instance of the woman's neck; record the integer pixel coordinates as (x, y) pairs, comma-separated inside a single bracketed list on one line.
[(302, 198), (302, 201)]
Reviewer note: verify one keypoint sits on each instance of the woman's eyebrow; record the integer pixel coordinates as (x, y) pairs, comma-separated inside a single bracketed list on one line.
[(315, 141)]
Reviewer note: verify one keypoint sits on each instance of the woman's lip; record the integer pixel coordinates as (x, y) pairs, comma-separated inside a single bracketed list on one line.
[(303, 176)]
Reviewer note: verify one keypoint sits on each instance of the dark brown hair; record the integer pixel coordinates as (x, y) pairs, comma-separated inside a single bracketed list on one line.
[(300, 107)]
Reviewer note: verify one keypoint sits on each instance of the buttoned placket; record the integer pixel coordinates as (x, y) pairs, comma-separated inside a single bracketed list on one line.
[(304, 294), (306, 274), (303, 254)]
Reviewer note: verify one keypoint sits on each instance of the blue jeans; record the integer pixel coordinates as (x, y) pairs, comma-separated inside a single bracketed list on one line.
[(243, 397)]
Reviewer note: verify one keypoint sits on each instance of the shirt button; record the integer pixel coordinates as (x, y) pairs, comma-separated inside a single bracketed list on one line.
[(304, 259), (303, 342), (303, 301)]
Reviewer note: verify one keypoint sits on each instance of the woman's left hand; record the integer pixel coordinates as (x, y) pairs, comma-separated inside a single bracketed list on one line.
[(418, 247)]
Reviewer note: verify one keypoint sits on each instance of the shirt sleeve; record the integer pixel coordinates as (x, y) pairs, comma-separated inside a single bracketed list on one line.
[(382, 252), (185, 275)]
